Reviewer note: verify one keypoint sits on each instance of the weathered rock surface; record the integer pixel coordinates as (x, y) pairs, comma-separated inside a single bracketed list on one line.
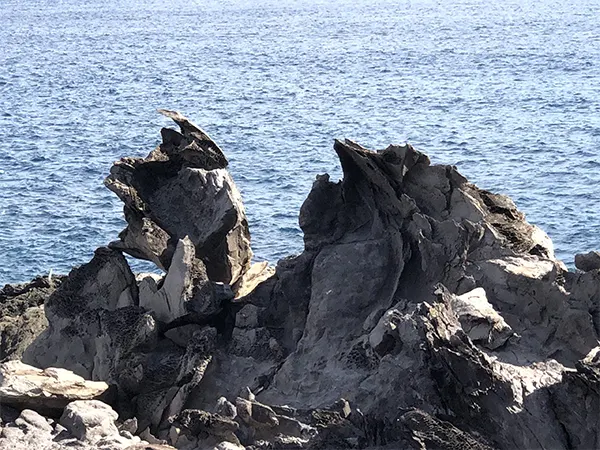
[(184, 290), (22, 316), (46, 391), (423, 313), (99, 331), (183, 189), (479, 320)]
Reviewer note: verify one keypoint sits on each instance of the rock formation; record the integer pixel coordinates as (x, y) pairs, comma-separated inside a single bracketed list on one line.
[(22, 316), (423, 313), (183, 189)]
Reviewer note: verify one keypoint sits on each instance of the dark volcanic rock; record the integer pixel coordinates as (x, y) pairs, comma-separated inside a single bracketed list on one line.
[(99, 331), (183, 189)]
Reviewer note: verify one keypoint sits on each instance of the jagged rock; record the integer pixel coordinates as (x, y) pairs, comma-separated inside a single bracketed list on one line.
[(479, 319), (225, 408), (22, 316), (183, 334), (98, 330), (129, 426), (384, 335), (588, 261), (184, 290), (163, 378), (86, 314), (257, 274), (430, 432), (46, 391), (576, 402), (17, 333), (247, 317), (255, 414), (196, 422), (15, 299), (533, 296), (183, 189)]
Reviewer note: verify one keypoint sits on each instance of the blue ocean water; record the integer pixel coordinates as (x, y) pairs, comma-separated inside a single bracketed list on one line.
[(508, 91)]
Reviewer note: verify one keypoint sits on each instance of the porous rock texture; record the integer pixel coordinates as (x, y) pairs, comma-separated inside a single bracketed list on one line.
[(22, 316), (423, 313)]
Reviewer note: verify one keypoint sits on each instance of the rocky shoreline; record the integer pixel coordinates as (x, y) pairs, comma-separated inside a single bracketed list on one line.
[(423, 313)]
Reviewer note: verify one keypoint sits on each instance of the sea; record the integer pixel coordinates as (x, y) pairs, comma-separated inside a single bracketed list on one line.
[(508, 91)]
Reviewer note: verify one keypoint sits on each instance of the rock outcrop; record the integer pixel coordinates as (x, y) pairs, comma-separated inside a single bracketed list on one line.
[(423, 313), (183, 189), (49, 390), (22, 316)]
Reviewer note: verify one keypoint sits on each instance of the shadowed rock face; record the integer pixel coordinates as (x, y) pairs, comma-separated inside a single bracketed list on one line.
[(423, 313)]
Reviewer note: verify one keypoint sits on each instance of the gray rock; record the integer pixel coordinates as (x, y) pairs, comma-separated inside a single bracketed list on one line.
[(183, 335), (575, 402), (91, 424), (225, 408), (256, 414), (431, 432), (184, 290), (86, 328), (587, 261), (22, 316), (90, 420), (195, 422), (29, 431), (45, 391), (17, 333), (404, 302), (183, 189), (94, 335), (479, 319)]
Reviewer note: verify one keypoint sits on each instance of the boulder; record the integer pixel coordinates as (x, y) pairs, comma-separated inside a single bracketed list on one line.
[(90, 421), (45, 391), (587, 261)]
